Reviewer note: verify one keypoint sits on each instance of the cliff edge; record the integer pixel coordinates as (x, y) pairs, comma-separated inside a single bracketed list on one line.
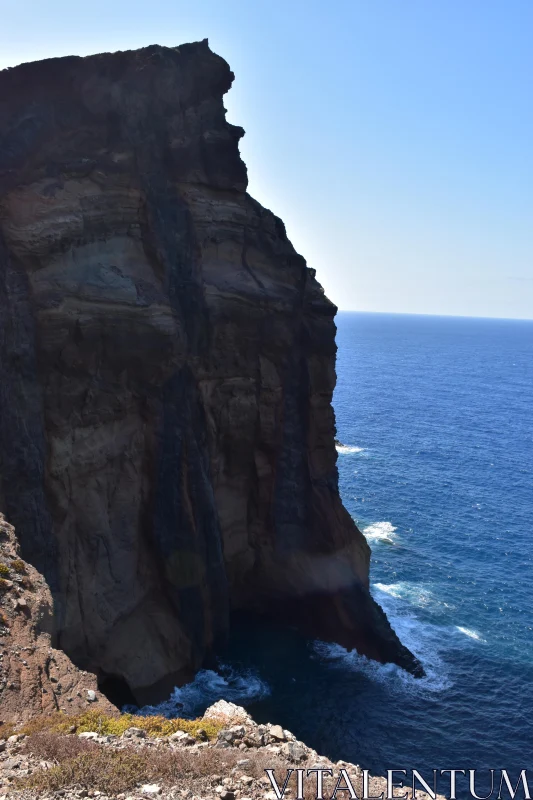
[(167, 366)]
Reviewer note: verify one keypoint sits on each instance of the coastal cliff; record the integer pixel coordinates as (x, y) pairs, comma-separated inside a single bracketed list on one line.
[(167, 365)]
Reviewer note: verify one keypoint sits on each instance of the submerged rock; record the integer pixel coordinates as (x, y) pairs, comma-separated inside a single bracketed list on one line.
[(167, 365)]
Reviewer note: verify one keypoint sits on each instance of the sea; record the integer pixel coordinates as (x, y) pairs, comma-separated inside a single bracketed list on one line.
[(435, 420)]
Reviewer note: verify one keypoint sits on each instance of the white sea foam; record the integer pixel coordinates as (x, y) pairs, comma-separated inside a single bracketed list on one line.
[(380, 532), (191, 700), (348, 448), (415, 594), (470, 633), (425, 640)]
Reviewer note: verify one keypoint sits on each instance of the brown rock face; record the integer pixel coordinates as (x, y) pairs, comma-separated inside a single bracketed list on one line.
[(167, 365), (34, 677)]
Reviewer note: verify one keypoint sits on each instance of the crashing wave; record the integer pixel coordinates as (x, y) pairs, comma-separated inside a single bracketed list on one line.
[(380, 532), (470, 633), (190, 701)]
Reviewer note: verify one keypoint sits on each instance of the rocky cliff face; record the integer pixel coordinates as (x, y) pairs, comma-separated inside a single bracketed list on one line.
[(167, 365), (34, 677)]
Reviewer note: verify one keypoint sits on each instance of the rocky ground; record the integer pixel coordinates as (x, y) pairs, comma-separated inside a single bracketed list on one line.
[(135, 766)]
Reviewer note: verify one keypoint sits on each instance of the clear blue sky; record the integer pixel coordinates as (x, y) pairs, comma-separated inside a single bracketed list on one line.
[(394, 137)]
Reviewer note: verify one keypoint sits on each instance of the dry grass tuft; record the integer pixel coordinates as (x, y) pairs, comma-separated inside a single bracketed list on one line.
[(7, 729), (19, 566), (86, 765), (4, 570), (209, 761), (55, 747), (111, 772), (53, 723), (261, 761)]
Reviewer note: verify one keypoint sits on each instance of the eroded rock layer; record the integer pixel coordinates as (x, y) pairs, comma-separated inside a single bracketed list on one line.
[(167, 367)]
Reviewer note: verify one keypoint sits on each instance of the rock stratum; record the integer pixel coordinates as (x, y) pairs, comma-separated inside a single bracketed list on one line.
[(167, 364)]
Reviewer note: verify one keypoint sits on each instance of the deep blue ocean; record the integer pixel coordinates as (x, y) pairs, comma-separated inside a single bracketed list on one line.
[(436, 419)]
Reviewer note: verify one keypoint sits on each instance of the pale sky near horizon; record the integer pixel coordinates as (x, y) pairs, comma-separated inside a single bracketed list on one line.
[(393, 137)]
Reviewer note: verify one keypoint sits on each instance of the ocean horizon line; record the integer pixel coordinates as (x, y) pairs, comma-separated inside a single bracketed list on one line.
[(438, 316)]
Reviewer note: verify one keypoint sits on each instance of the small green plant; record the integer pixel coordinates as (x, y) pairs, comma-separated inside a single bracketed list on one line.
[(19, 566), (4, 570), (154, 726), (105, 724)]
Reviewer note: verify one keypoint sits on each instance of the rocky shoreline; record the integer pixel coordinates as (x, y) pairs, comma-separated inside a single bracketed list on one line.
[(230, 766)]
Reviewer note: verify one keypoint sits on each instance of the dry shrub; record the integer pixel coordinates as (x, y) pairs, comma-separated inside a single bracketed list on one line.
[(54, 747), (19, 566), (4, 570), (53, 723), (116, 771), (108, 771), (260, 761), (174, 764), (7, 729)]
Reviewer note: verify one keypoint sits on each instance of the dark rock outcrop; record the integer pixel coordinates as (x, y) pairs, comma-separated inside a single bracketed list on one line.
[(167, 364)]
